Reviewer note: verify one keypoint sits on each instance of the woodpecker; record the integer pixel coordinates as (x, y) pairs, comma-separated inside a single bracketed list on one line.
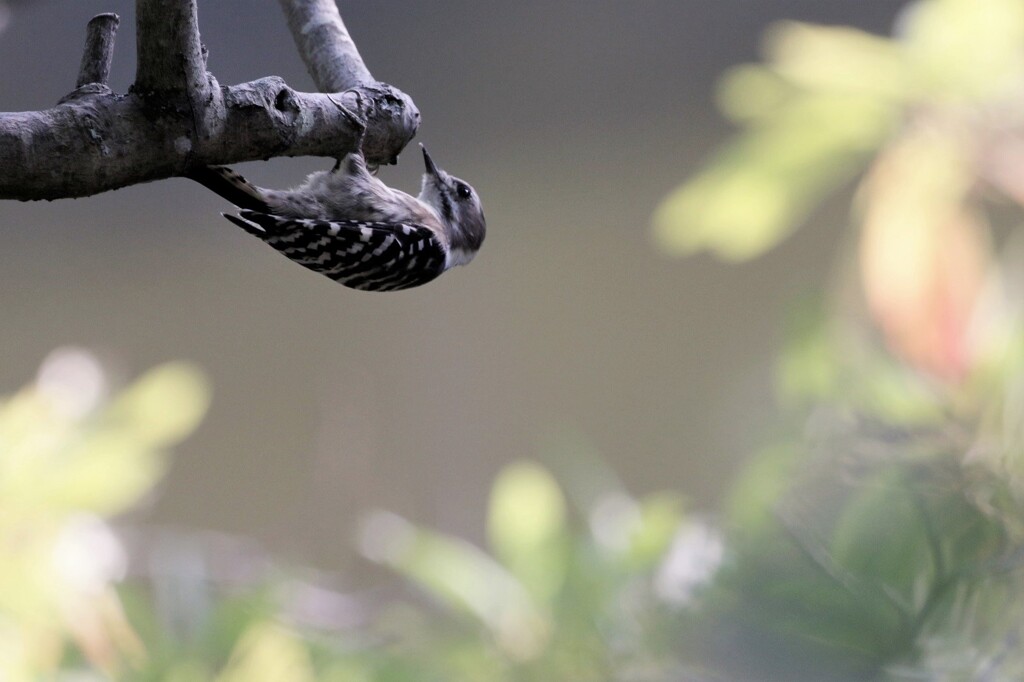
[(351, 227)]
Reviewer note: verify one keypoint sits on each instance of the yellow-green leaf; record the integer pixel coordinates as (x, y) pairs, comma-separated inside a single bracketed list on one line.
[(660, 515), (966, 49), (269, 653), (165, 405), (758, 190), (461, 576), (840, 60), (526, 526)]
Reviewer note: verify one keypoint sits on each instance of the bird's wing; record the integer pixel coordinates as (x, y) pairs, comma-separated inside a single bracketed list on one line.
[(361, 255)]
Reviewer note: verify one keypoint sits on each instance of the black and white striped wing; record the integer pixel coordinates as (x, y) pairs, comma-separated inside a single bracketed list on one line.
[(360, 255)]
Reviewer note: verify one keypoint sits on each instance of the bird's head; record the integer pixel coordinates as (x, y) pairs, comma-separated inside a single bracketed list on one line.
[(458, 206)]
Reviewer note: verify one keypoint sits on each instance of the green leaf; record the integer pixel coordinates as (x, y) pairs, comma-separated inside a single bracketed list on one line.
[(751, 91), (762, 185), (896, 394), (966, 49), (164, 406), (660, 516), (880, 536), (526, 527), (106, 473), (761, 483), (269, 653), (840, 60), (461, 576)]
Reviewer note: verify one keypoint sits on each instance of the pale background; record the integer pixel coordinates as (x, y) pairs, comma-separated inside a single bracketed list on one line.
[(572, 119)]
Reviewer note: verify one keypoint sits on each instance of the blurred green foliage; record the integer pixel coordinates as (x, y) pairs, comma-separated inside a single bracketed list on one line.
[(826, 101), (68, 461), (555, 600), (881, 536), (884, 543), (556, 597)]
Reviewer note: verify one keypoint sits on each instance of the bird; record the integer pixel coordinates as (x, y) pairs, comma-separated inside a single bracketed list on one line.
[(347, 224)]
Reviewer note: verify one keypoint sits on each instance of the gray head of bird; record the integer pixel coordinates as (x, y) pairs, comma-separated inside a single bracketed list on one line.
[(457, 205)]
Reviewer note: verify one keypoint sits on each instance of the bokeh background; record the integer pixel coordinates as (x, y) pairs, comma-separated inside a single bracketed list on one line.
[(572, 120)]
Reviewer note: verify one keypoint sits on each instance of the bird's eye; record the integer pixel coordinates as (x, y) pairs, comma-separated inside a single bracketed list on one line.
[(463, 190)]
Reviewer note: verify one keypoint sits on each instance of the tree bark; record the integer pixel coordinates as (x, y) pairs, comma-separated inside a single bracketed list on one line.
[(176, 117), (170, 54), (99, 50), (328, 51)]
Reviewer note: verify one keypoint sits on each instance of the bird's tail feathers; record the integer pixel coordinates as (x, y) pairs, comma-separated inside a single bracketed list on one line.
[(232, 186), (262, 225), (247, 225)]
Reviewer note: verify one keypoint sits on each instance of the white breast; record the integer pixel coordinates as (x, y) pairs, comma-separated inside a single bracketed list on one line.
[(458, 257)]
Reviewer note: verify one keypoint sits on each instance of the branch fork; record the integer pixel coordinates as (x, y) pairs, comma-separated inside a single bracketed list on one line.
[(176, 117)]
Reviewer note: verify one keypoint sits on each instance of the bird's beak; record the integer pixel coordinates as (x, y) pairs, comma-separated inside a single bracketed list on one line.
[(429, 163)]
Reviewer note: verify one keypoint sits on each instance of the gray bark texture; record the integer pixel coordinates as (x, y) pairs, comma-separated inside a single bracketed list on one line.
[(99, 50), (176, 117)]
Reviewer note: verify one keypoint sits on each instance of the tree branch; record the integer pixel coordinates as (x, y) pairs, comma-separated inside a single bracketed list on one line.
[(177, 118), (97, 143), (170, 54), (334, 62), (327, 49), (99, 50)]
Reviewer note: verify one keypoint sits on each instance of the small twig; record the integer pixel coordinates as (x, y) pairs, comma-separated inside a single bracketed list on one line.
[(170, 54), (99, 50), (328, 51)]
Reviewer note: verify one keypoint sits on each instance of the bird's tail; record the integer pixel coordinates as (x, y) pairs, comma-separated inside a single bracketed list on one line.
[(262, 225), (232, 186)]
